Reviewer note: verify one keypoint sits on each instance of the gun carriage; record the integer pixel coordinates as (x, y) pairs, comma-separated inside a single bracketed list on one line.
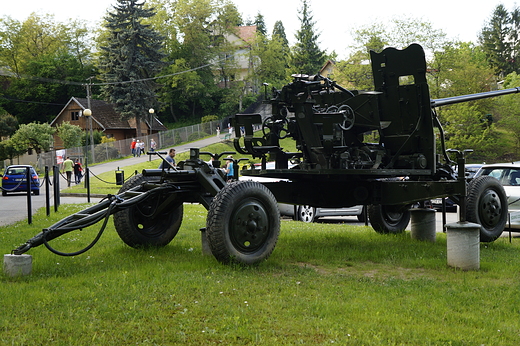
[(334, 166)]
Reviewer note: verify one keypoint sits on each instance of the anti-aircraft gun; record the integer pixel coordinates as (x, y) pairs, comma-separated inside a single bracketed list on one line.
[(334, 166)]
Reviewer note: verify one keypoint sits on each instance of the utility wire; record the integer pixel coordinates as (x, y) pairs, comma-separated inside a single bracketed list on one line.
[(50, 80)]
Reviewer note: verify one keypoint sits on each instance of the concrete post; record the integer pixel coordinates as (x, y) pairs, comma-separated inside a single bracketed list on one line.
[(423, 224), (17, 265), (463, 242)]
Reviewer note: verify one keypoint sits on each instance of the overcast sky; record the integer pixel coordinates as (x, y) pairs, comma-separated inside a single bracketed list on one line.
[(335, 19)]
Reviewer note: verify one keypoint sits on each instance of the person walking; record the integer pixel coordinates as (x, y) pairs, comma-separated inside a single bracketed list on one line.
[(78, 172), (170, 160), (153, 145), (132, 146), (67, 169), (137, 148)]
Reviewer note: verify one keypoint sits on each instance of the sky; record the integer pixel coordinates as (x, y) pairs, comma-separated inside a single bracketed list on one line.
[(335, 19)]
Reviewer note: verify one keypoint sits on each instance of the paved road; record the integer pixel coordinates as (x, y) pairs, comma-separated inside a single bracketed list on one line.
[(13, 207)]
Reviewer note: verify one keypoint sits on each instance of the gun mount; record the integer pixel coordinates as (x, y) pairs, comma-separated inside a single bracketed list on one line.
[(334, 166)]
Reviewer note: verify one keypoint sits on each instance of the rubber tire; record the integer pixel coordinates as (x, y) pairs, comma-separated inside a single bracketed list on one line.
[(4, 193), (36, 192), (486, 204), (137, 230), (243, 223), (387, 219), (306, 213)]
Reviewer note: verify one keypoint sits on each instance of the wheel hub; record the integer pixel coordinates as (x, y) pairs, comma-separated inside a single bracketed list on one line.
[(249, 229), (490, 208)]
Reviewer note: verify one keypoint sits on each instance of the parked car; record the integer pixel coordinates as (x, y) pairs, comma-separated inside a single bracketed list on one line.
[(13, 180), (508, 174), (306, 213)]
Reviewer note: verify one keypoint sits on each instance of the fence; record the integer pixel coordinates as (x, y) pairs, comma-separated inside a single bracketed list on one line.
[(114, 150)]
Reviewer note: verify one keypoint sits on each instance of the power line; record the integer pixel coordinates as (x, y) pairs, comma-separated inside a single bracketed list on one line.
[(57, 81)]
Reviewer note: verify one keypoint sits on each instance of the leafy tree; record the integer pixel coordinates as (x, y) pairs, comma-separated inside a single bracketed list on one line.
[(307, 57), (272, 63), (8, 151), (462, 69), (8, 125), (33, 136), (41, 98), (132, 57), (69, 134), (203, 54), (36, 53), (508, 111)]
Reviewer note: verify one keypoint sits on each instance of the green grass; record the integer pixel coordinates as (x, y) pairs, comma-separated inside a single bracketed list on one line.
[(105, 183), (323, 284)]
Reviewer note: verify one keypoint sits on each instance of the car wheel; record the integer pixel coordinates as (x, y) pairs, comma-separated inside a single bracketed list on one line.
[(4, 193), (486, 204), (243, 223), (388, 218), (135, 226), (306, 213), (36, 192)]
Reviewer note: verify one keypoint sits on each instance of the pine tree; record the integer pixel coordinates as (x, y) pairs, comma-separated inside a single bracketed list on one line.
[(279, 30), (496, 42), (131, 57), (260, 24), (307, 56)]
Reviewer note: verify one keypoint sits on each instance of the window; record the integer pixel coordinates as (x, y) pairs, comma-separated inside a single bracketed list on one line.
[(74, 116)]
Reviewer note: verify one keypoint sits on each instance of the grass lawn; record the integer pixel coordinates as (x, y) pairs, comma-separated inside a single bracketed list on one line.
[(324, 284)]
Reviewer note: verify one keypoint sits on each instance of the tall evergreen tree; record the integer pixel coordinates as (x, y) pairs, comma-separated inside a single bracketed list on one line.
[(132, 56), (307, 55), (279, 34), (279, 30), (496, 41), (260, 24)]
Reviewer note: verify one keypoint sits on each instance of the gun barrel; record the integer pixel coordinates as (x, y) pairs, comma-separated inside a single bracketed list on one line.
[(472, 97)]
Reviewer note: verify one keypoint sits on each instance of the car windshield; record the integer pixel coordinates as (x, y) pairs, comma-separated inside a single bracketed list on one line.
[(506, 176)]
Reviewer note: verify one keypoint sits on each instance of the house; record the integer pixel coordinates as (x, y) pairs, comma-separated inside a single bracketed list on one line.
[(328, 68), (104, 119), (241, 41)]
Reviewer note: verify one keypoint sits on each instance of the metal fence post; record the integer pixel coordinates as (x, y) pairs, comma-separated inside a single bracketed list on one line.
[(28, 181)]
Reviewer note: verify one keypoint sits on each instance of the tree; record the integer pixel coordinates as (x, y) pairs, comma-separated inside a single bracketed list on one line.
[(260, 24), (69, 134), (508, 111), (495, 39), (272, 67), (8, 151), (462, 69), (8, 125), (44, 61), (307, 57), (203, 55), (132, 57), (33, 136), (279, 34)]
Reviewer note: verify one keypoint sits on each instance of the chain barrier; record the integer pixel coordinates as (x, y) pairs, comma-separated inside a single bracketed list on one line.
[(109, 182), (13, 189)]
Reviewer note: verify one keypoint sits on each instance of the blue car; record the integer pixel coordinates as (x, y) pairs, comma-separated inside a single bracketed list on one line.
[(13, 180)]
